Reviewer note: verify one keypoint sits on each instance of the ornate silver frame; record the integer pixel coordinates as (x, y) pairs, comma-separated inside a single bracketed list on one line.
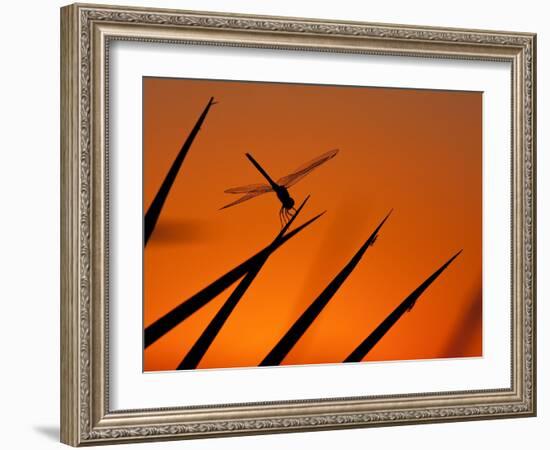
[(86, 31)]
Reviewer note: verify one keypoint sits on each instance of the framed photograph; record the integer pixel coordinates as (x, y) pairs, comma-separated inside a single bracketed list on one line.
[(275, 224)]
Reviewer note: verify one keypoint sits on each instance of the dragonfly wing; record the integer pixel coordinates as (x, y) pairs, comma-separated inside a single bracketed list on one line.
[(305, 169), (244, 198), (249, 189)]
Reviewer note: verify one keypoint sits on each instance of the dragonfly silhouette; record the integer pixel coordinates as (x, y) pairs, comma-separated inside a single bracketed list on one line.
[(280, 187)]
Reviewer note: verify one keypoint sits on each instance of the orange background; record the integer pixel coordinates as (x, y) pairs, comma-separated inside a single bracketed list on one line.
[(417, 151)]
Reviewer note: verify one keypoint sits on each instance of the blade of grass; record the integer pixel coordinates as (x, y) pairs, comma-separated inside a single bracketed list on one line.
[(201, 346), (287, 342), (406, 305), (181, 312), (154, 210)]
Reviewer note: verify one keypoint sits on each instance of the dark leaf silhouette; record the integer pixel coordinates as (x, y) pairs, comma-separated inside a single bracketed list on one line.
[(287, 342), (154, 210), (406, 305), (181, 312), (201, 346)]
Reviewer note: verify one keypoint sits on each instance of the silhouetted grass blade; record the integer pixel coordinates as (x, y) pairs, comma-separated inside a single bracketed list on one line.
[(201, 346), (287, 342), (154, 210), (197, 352), (366, 346), (181, 312)]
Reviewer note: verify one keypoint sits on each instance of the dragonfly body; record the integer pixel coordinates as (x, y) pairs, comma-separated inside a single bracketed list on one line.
[(279, 187), (285, 198)]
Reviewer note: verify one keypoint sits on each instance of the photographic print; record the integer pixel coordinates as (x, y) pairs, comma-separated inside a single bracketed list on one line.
[(295, 224)]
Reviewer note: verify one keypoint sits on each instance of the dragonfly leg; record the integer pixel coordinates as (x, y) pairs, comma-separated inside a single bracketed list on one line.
[(281, 217), (287, 214)]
